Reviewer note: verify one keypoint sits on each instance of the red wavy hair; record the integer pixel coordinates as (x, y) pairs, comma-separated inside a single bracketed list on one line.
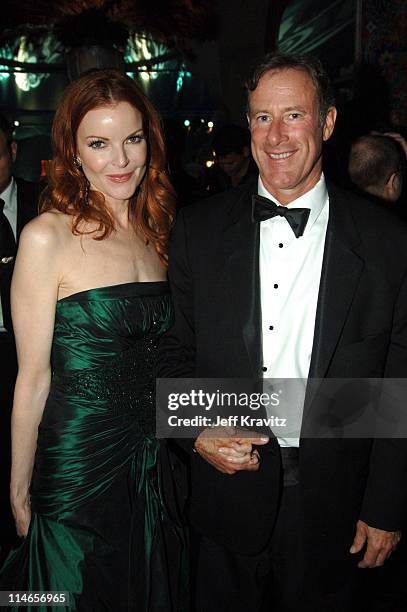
[(152, 207)]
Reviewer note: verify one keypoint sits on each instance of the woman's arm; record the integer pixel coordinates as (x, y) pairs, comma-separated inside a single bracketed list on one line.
[(34, 294)]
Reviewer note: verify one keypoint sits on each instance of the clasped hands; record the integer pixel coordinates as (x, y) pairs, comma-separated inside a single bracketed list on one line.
[(229, 449)]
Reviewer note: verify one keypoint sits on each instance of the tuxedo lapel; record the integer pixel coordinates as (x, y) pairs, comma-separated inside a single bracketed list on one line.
[(341, 270), (241, 248)]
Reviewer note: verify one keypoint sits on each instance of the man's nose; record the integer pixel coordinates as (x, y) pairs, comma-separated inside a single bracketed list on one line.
[(277, 132)]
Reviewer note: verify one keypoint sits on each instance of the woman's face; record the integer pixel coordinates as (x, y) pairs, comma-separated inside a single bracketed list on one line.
[(112, 149)]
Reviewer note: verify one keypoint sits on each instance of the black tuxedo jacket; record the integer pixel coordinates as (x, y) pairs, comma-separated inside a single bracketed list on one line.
[(27, 209), (360, 331)]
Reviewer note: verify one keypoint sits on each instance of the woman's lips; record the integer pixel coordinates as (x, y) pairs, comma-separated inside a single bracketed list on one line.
[(120, 178)]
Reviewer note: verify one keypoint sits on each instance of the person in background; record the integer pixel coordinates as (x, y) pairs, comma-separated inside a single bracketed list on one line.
[(89, 486), (376, 166), (18, 205), (187, 187), (234, 164)]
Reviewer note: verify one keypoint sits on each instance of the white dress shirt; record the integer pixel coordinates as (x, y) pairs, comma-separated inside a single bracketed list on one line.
[(9, 195), (290, 272)]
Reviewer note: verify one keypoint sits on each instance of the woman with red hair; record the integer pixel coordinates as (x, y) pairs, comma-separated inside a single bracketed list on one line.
[(89, 487)]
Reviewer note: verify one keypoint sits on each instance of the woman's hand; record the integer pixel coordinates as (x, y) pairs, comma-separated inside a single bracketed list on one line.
[(22, 514)]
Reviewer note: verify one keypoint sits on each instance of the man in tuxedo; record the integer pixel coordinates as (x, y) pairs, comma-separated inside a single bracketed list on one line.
[(289, 277), (18, 204)]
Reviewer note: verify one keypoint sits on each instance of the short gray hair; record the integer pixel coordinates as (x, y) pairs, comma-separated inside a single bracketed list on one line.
[(309, 64)]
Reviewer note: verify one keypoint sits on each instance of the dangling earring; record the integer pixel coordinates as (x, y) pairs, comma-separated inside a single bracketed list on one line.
[(86, 196), (77, 162)]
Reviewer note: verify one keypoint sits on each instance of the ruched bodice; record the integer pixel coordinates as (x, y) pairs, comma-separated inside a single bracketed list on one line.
[(98, 324)]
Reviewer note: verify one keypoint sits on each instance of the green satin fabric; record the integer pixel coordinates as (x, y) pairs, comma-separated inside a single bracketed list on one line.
[(104, 524)]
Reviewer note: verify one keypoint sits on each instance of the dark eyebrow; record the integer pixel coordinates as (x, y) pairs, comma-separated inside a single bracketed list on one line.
[(135, 132), (104, 137), (295, 108), (288, 109)]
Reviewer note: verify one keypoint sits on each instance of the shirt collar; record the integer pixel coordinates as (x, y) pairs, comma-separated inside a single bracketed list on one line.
[(315, 199), (9, 196)]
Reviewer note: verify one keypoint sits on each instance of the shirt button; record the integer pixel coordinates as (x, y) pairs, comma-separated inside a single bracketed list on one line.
[(264, 369), (281, 245), (271, 327), (275, 286)]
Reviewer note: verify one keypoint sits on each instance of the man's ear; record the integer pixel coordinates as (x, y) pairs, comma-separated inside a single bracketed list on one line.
[(329, 123), (13, 150), (393, 186)]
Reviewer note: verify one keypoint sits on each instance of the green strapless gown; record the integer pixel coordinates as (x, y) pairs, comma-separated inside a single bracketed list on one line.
[(104, 514)]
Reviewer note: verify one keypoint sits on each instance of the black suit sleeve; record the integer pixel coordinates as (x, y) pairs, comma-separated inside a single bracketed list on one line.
[(177, 346), (385, 499)]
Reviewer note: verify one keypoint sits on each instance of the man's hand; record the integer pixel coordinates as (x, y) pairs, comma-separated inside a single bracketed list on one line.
[(396, 136), (379, 544), (229, 450), (399, 138)]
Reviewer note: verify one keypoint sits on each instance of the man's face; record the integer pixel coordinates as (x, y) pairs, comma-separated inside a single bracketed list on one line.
[(287, 134), (233, 163), (7, 155)]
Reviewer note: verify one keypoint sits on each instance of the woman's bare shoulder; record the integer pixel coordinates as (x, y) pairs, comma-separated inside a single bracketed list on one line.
[(50, 229)]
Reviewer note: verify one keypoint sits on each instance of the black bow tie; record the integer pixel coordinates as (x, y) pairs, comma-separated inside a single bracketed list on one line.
[(263, 209)]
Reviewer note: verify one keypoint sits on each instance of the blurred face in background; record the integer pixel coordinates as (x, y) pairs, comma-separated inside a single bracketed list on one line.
[(7, 157), (112, 149), (233, 163)]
